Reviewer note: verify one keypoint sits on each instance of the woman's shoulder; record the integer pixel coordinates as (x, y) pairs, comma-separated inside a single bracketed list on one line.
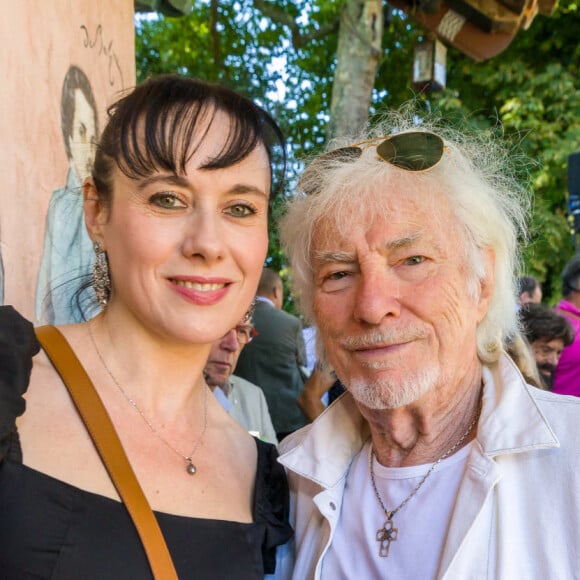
[(18, 345)]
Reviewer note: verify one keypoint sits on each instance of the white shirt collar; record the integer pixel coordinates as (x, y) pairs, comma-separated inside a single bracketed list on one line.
[(266, 300)]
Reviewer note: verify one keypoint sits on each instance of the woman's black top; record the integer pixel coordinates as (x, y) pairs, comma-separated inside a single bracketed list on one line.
[(50, 529)]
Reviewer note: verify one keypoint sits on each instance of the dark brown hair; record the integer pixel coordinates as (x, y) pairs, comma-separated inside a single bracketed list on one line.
[(540, 322), (153, 128)]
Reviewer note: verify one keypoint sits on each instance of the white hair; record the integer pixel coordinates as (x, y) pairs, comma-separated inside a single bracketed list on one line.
[(477, 174)]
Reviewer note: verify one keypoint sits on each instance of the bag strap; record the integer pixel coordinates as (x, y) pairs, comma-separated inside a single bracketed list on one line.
[(107, 443)]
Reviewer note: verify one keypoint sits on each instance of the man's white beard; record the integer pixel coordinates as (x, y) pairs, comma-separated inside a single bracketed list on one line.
[(388, 393)]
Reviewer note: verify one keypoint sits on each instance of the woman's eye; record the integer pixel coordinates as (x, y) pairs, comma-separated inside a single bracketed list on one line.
[(241, 210), (167, 201)]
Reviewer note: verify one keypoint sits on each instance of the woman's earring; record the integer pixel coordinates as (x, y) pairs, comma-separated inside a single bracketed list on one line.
[(101, 279), (249, 312)]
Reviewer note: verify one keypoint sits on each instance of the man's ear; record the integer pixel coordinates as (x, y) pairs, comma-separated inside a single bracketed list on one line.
[(96, 212), (278, 295), (487, 285)]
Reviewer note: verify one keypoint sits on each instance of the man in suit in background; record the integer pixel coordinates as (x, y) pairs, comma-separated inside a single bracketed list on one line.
[(529, 290), (244, 401), (273, 360)]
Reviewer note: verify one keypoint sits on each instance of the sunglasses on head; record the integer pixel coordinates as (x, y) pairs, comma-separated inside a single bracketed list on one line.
[(413, 151)]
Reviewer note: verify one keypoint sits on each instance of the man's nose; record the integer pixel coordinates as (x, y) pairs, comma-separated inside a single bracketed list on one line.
[(378, 295), (229, 340)]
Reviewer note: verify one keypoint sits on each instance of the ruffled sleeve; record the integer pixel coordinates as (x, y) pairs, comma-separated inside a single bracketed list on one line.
[(272, 503), (18, 345)]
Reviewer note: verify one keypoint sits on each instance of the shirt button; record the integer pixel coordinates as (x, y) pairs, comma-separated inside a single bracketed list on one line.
[(332, 506)]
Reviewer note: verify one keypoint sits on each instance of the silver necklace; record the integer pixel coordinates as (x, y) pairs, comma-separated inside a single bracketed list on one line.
[(190, 467), (388, 533)]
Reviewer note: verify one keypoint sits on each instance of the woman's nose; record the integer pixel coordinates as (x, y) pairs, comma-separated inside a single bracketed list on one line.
[(204, 237)]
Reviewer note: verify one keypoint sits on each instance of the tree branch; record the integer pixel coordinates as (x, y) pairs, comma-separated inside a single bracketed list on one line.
[(215, 39), (299, 37)]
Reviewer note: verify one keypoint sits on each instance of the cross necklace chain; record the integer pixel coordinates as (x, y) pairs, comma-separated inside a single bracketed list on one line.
[(388, 533), (190, 468)]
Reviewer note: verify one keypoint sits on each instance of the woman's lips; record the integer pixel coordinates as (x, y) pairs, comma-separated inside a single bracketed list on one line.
[(201, 292)]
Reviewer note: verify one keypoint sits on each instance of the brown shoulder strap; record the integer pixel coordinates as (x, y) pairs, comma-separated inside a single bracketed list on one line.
[(104, 436)]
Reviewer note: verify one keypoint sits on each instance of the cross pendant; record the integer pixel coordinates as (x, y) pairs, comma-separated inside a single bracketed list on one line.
[(385, 535)]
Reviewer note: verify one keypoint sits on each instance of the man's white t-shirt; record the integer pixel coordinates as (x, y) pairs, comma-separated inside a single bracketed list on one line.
[(422, 523)]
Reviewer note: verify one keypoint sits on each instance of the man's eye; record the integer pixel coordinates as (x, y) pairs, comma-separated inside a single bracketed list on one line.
[(413, 260), (241, 210), (336, 281), (336, 276), (166, 201)]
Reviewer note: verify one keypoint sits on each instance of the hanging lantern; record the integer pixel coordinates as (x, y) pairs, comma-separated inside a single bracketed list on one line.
[(429, 66)]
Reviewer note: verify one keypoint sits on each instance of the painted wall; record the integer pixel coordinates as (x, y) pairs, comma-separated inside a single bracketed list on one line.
[(40, 168)]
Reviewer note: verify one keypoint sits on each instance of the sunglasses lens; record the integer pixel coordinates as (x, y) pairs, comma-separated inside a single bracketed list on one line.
[(415, 151)]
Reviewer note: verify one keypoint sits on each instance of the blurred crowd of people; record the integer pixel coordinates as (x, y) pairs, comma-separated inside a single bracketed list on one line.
[(552, 333)]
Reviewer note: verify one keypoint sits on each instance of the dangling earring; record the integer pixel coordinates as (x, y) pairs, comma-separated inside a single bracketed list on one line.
[(249, 312), (101, 280)]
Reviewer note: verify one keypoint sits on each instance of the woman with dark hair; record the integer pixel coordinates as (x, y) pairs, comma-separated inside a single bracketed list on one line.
[(177, 210)]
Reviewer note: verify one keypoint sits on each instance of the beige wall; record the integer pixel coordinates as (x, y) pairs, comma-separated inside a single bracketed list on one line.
[(40, 40)]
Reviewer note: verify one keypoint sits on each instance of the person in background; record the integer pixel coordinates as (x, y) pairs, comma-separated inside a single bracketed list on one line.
[(548, 334), (309, 337), (1, 278), (521, 353), (436, 462), (529, 290), (244, 401), (67, 254), (177, 209), (273, 360), (313, 399), (567, 375)]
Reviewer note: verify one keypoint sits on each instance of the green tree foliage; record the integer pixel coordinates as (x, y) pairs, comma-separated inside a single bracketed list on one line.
[(533, 90), (282, 53)]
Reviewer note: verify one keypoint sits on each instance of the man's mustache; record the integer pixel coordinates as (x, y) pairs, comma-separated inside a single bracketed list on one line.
[(382, 338), (547, 368)]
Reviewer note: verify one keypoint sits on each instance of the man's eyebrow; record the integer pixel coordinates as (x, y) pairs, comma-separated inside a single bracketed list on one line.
[(330, 256), (326, 257), (403, 242)]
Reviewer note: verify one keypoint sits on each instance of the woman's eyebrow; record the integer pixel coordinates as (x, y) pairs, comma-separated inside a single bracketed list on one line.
[(170, 179), (180, 181), (241, 188)]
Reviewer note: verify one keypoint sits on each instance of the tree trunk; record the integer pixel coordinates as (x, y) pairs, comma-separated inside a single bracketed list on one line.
[(358, 53)]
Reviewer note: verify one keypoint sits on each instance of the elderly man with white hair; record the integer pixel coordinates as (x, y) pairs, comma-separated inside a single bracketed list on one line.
[(439, 461)]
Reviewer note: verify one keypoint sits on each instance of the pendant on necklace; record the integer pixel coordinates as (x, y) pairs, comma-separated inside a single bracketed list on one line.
[(385, 535), (191, 469)]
